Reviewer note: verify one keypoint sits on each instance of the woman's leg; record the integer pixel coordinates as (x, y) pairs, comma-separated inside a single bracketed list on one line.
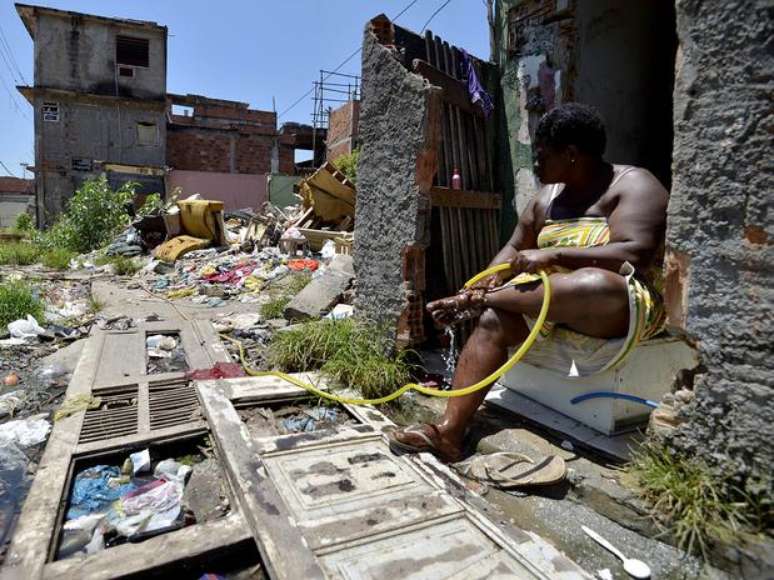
[(590, 301)]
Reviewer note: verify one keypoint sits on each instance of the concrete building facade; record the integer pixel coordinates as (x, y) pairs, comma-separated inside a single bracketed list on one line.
[(98, 98)]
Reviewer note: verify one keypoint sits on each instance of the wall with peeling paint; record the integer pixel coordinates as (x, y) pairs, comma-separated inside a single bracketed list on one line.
[(720, 280)]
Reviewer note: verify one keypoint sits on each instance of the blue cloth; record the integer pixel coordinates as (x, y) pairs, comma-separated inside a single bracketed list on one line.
[(92, 492), (307, 422), (476, 91)]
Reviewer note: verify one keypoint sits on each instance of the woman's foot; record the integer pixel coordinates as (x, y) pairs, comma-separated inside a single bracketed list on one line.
[(427, 437), (454, 309)]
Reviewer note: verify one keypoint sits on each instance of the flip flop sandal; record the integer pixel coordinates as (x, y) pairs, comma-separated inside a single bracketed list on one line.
[(509, 470), (429, 445)]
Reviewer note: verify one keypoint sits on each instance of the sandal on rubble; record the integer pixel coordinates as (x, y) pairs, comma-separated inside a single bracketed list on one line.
[(509, 470), (422, 442)]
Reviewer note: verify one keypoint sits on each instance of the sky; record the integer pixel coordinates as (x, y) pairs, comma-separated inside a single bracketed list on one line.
[(250, 51)]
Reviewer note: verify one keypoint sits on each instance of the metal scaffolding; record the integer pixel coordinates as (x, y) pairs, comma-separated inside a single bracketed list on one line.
[(342, 89)]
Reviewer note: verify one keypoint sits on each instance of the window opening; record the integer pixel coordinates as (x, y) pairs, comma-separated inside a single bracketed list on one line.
[(146, 134), (132, 51)]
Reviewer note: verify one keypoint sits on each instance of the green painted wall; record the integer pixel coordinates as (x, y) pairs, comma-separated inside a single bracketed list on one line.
[(281, 190)]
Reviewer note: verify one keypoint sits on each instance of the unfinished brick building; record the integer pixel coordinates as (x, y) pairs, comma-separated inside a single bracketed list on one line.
[(342, 136), (225, 136)]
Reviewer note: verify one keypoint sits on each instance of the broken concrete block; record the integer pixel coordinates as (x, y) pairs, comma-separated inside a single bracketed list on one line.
[(342, 263), (322, 293)]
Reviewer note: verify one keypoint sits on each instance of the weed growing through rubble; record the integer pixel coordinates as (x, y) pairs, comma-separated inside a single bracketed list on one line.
[(691, 501), (351, 353), (58, 258), (298, 282), (19, 253), (275, 307), (95, 304), (124, 266), (17, 301)]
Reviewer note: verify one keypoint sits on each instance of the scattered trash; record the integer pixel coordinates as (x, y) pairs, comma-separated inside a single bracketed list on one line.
[(633, 567), (221, 370), (76, 403), (24, 432), (25, 329), (11, 379), (165, 354), (140, 461), (9, 402), (340, 312), (311, 420), (605, 574)]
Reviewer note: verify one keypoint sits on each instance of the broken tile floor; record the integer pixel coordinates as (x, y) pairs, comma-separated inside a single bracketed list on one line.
[(517, 534)]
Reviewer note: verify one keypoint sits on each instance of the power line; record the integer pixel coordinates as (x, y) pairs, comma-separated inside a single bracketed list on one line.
[(433, 15), (8, 171), (6, 44), (345, 61)]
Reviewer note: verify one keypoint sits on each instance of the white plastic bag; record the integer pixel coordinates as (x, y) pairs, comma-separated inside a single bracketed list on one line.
[(24, 432), (328, 250), (25, 329)]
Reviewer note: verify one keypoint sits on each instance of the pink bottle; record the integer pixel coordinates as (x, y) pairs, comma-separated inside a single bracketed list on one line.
[(456, 182)]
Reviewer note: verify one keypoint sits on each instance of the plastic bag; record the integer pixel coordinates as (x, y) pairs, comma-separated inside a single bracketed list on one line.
[(25, 329), (24, 432), (328, 250)]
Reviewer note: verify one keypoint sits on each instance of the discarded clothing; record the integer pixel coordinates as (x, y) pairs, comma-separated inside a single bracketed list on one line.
[(75, 404), (220, 370), (475, 89), (307, 421), (95, 489)]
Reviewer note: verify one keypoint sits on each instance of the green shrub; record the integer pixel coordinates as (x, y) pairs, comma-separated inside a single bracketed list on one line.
[(94, 216), (17, 301), (153, 205), (24, 223), (275, 308), (58, 259), (347, 164), (690, 501), (351, 353), (19, 253)]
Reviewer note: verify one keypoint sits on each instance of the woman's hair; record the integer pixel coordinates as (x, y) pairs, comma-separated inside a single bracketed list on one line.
[(572, 124)]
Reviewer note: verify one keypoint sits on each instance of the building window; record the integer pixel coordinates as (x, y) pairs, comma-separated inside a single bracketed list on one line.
[(125, 71), (50, 111), (81, 164), (132, 51), (146, 134)]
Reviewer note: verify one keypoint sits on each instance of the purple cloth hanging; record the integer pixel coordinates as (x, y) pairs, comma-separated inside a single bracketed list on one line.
[(477, 93)]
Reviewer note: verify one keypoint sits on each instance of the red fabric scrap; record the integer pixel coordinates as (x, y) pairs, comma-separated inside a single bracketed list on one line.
[(303, 264), (221, 370)]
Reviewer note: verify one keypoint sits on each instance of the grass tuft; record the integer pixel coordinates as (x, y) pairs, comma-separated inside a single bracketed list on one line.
[(298, 282), (17, 301), (58, 259), (351, 353), (19, 253), (275, 308), (125, 266), (689, 500)]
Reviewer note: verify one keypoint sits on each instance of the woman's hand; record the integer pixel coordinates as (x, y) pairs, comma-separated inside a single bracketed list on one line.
[(531, 261)]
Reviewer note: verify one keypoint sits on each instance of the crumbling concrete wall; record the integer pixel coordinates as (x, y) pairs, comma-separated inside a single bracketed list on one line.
[(720, 280), (398, 131)]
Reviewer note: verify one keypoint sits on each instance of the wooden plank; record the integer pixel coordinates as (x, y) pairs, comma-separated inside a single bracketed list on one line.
[(264, 510), (446, 197), (446, 249), (190, 542)]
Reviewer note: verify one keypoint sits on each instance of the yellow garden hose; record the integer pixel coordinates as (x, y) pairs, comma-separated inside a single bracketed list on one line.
[(517, 356)]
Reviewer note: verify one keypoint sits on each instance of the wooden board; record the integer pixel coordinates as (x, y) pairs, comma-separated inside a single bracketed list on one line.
[(445, 197)]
